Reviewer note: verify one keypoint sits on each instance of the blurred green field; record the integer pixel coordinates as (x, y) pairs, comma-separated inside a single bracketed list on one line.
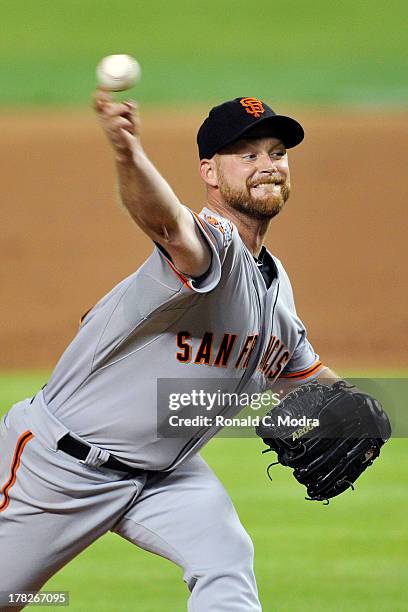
[(348, 556), (309, 51)]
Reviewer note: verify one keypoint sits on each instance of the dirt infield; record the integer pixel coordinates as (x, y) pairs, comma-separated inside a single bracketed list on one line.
[(342, 237)]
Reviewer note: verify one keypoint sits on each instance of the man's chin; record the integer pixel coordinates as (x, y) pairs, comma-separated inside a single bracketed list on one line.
[(265, 208), (256, 206), (258, 210)]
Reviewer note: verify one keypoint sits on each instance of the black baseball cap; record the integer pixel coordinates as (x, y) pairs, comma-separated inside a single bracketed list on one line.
[(244, 118)]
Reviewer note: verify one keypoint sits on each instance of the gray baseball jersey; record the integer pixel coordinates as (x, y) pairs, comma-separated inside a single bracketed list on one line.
[(230, 325), (156, 324)]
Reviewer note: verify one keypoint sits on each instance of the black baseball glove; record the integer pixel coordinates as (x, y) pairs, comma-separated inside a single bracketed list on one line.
[(328, 435)]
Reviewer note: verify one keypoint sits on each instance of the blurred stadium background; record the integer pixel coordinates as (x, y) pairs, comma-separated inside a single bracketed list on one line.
[(340, 68)]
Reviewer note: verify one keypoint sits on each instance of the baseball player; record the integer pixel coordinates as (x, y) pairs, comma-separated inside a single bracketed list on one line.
[(84, 456)]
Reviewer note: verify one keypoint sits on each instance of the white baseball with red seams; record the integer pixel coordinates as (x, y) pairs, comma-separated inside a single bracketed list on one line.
[(118, 72)]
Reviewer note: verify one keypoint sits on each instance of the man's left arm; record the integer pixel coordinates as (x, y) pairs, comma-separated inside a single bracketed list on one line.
[(327, 376)]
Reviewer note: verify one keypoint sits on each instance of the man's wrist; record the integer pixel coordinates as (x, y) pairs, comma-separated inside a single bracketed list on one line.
[(130, 157), (124, 159)]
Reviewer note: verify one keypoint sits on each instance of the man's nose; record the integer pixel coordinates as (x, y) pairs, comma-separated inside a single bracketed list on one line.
[(267, 164)]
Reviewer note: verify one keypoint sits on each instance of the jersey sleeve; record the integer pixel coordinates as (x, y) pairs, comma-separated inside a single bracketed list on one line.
[(218, 238), (304, 363)]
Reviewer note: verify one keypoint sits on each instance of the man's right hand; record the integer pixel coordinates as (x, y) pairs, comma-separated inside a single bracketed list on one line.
[(121, 123)]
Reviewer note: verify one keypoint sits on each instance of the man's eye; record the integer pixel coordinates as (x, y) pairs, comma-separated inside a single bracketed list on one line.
[(279, 153), (249, 156)]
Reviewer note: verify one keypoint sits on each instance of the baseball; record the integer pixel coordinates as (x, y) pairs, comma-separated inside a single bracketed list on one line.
[(118, 72)]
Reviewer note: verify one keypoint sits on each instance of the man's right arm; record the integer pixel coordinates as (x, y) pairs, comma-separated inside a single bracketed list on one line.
[(146, 194)]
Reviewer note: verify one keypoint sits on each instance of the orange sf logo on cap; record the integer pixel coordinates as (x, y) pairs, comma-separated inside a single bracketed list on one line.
[(253, 106)]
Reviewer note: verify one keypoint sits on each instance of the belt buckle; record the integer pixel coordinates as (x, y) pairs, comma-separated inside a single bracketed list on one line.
[(96, 457)]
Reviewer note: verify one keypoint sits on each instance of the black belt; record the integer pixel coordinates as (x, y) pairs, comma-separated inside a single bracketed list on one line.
[(70, 445)]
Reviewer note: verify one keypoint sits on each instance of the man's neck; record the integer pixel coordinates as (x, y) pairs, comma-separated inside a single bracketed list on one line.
[(252, 231)]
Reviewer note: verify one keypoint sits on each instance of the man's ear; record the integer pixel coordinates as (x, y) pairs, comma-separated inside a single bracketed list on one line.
[(208, 171)]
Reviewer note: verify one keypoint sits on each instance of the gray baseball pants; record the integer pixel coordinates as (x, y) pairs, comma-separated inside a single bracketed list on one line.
[(52, 507)]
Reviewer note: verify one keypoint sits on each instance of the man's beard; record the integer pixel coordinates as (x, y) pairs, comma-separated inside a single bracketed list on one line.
[(257, 207)]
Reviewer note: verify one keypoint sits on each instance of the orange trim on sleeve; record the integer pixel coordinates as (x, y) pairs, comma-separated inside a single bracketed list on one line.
[(81, 320), (21, 442), (183, 279), (313, 369)]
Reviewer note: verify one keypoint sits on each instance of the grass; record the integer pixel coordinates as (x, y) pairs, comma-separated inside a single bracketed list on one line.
[(349, 556), (310, 51)]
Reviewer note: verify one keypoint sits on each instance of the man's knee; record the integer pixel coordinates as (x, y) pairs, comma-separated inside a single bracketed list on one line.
[(239, 546), (229, 547), (225, 581)]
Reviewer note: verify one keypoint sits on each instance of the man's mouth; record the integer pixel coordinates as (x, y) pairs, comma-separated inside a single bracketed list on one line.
[(266, 185)]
